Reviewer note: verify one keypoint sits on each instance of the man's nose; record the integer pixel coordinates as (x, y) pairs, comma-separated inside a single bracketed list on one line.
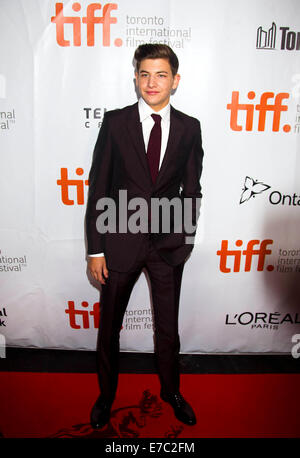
[(151, 81)]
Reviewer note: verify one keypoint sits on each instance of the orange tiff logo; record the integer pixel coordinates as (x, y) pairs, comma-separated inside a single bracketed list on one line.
[(80, 318), (66, 183), (90, 20), (261, 252), (266, 105)]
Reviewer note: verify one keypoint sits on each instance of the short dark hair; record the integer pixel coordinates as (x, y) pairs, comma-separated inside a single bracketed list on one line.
[(156, 51)]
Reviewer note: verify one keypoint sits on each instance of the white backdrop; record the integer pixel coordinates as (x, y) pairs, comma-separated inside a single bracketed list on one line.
[(240, 76)]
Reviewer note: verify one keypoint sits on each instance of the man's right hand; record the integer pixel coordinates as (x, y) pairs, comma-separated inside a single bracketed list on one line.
[(98, 269)]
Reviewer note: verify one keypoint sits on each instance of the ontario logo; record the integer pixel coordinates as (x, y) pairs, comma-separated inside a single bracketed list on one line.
[(69, 27), (252, 188)]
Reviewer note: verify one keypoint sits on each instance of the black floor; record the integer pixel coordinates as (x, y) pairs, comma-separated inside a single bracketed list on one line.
[(40, 360)]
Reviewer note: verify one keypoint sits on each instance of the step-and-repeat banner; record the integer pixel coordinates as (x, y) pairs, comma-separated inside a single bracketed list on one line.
[(62, 65)]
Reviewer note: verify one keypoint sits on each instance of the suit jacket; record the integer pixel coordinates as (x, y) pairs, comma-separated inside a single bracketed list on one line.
[(120, 163)]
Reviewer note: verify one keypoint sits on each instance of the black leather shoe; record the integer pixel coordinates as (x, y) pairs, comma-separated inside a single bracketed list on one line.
[(100, 413), (182, 410)]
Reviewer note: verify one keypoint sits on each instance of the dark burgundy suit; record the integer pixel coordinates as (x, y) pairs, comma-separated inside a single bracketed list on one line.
[(120, 163)]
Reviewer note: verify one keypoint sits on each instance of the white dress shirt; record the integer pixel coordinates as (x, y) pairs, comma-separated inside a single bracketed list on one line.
[(145, 112)]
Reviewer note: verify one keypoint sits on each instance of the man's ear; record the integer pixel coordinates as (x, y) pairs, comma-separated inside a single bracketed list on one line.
[(176, 81)]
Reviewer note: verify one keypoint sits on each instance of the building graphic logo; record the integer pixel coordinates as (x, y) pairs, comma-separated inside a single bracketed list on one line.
[(266, 39)]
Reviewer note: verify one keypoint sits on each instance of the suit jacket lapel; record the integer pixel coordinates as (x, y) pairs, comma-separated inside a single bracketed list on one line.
[(175, 134), (135, 130)]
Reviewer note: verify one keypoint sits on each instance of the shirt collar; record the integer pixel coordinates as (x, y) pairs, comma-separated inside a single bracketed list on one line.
[(145, 111)]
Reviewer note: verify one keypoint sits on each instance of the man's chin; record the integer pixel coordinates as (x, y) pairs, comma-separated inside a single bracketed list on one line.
[(151, 100), (154, 103)]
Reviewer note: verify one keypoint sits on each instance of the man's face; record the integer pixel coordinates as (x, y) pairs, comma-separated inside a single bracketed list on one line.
[(155, 82)]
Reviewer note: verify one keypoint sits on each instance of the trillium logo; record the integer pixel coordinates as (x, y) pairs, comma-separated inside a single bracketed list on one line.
[(252, 188)]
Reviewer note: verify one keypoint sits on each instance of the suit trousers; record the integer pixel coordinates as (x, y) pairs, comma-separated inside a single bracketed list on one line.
[(165, 284)]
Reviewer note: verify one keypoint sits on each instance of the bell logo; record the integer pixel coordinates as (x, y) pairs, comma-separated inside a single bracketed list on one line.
[(261, 252), (90, 20), (263, 107)]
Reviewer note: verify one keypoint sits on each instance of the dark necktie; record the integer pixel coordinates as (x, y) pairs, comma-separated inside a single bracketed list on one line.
[(154, 145)]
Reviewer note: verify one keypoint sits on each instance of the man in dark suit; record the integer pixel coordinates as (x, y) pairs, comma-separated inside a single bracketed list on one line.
[(151, 152)]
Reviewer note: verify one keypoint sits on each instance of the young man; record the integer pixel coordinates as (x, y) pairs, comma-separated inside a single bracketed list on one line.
[(151, 151)]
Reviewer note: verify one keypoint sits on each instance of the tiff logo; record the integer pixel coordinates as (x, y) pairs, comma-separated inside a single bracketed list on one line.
[(65, 183), (261, 252), (263, 107), (90, 20), (83, 315)]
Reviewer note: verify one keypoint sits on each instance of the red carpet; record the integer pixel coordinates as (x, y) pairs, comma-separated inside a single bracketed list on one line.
[(35, 405)]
